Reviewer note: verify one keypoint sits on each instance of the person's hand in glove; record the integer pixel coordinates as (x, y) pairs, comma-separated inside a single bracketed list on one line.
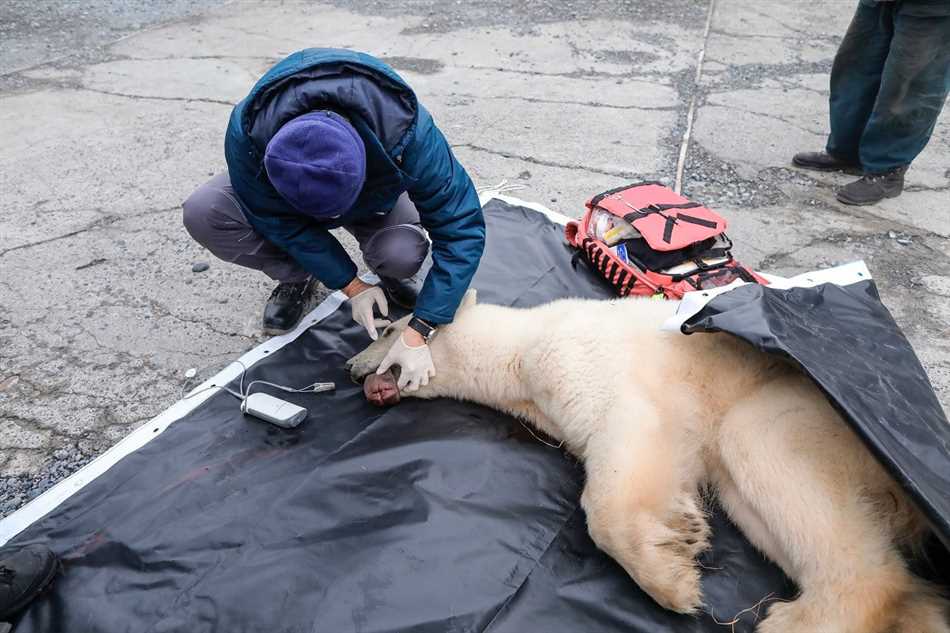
[(363, 298), (412, 355)]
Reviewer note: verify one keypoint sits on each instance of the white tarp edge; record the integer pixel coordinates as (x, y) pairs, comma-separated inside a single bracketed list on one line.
[(693, 302), (42, 505)]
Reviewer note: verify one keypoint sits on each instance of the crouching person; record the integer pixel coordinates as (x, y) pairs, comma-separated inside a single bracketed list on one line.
[(332, 138)]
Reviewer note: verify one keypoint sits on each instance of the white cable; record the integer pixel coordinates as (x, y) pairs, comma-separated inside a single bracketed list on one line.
[(316, 387), (210, 387), (243, 392)]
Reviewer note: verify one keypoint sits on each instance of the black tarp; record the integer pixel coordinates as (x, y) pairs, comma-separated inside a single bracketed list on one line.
[(431, 516), (847, 341)]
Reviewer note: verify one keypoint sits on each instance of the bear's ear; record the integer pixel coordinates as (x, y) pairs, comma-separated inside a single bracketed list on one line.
[(468, 300)]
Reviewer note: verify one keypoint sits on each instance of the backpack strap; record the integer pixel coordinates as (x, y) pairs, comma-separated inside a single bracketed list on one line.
[(694, 220), (671, 219)]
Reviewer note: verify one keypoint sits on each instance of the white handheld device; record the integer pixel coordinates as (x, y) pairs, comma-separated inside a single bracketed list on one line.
[(274, 410)]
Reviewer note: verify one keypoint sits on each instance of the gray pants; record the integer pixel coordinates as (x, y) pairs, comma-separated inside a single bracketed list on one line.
[(395, 246)]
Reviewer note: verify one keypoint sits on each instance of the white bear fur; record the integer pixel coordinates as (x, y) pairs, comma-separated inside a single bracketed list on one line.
[(656, 417)]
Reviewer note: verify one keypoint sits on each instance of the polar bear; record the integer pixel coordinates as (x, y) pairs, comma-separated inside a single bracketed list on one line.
[(656, 417)]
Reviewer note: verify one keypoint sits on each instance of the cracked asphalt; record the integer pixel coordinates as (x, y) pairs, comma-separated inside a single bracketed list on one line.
[(113, 111)]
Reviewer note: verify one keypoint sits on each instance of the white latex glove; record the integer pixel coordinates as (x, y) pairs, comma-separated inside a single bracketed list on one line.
[(361, 306), (415, 364)]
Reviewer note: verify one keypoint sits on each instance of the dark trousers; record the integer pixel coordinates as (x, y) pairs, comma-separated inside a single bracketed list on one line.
[(888, 84), (393, 246)]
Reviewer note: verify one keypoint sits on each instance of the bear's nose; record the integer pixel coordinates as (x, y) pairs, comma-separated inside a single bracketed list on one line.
[(348, 365)]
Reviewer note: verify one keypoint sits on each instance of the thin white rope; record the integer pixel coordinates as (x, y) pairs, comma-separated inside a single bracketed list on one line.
[(503, 187), (684, 146)]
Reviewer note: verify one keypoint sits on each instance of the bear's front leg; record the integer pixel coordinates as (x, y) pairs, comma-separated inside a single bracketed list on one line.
[(642, 506)]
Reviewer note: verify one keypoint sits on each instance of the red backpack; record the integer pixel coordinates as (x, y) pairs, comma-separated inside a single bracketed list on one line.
[(646, 239)]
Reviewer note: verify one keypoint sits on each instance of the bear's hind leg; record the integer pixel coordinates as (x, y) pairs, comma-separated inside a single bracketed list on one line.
[(793, 479)]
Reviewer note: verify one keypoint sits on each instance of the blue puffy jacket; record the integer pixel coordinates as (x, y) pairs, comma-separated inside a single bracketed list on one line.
[(405, 152)]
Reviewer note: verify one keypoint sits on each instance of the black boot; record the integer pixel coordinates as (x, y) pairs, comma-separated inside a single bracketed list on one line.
[(872, 188), (822, 161), (24, 573), (286, 306)]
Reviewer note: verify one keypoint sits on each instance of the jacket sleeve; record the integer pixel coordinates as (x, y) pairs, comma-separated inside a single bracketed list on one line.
[(311, 245), (450, 211)]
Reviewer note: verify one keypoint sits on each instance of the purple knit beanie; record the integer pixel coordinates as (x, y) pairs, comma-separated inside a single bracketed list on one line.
[(317, 163)]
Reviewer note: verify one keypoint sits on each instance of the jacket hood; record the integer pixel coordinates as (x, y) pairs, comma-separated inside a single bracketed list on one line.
[(349, 83)]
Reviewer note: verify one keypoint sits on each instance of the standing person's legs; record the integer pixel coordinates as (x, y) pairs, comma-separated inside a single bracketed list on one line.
[(214, 217), (914, 87), (856, 78), (396, 246)]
